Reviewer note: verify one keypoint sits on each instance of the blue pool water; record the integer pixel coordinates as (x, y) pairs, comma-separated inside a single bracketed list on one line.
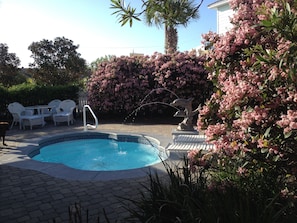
[(99, 154)]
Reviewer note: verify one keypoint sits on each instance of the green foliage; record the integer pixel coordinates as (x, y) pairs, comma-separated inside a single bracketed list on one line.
[(124, 13), (166, 13), (9, 71), (57, 62), (186, 196), (31, 94), (4, 98), (94, 65), (171, 13)]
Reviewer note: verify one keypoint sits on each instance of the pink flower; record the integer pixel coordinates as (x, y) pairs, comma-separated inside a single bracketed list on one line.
[(262, 143), (241, 171)]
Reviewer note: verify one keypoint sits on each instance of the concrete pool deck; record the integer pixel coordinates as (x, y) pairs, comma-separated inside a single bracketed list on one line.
[(28, 195)]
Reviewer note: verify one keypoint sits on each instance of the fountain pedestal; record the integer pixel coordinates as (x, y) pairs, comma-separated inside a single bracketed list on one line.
[(187, 124)]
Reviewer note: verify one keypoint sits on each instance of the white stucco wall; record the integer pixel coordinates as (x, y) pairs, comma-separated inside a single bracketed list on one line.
[(223, 19), (223, 15)]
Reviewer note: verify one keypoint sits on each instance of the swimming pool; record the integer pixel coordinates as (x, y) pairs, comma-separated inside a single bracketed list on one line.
[(100, 151)]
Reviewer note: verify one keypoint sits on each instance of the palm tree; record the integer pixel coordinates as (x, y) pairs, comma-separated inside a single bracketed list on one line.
[(162, 13)]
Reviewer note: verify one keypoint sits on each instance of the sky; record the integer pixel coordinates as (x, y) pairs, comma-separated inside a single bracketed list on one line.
[(91, 25)]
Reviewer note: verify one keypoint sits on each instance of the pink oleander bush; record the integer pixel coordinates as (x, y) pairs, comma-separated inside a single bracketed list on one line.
[(119, 86), (251, 117), (182, 73)]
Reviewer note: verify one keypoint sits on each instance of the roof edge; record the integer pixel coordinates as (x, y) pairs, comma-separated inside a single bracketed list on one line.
[(217, 4)]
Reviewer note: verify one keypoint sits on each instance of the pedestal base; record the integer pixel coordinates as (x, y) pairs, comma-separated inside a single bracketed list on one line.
[(176, 133)]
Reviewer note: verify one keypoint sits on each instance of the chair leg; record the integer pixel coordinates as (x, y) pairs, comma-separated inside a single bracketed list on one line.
[(13, 122)]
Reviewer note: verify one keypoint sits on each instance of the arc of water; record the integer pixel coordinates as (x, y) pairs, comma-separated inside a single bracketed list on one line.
[(157, 89), (158, 148), (156, 102), (149, 103), (149, 142)]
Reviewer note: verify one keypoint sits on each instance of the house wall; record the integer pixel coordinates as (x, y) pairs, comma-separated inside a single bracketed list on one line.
[(223, 18), (224, 13)]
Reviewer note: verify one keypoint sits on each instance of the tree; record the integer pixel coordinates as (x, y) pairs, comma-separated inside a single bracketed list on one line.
[(9, 63), (166, 13), (57, 62), (94, 65)]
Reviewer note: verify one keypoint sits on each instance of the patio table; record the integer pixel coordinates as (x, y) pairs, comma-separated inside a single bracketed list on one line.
[(40, 109)]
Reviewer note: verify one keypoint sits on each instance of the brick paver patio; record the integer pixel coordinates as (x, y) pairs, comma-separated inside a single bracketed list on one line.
[(31, 196)]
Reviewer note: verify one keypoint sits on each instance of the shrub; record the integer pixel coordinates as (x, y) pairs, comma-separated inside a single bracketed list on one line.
[(31, 94), (119, 86), (186, 196), (184, 74), (251, 117)]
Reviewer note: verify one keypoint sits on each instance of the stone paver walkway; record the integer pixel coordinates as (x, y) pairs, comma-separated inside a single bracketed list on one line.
[(31, 196)]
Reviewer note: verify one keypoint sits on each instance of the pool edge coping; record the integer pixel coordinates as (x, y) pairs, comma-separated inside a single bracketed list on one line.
[(19, 157)]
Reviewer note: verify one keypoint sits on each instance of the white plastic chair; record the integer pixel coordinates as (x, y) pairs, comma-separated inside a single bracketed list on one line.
[(24, 117), (54, 104), (65, 112)]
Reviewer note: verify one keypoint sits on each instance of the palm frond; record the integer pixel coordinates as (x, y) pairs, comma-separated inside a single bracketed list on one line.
[(124, 13)]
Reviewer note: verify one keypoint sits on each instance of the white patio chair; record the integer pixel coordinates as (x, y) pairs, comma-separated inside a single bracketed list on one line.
[(54, 104), (24, 117), (65, 112)]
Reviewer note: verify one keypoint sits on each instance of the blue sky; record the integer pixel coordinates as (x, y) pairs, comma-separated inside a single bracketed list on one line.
[(89, 24)]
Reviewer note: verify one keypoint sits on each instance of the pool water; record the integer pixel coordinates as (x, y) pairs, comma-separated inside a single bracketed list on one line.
[(99, 154)]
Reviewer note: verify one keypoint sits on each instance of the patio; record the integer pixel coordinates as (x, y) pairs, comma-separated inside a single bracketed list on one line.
[(31, 196), (28, 195)]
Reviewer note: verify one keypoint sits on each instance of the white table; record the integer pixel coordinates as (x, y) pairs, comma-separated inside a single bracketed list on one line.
[(40, 109)]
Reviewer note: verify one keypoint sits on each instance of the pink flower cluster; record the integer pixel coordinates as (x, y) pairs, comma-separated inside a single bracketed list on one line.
[(237, 88), (288, 121), (199, 158), (257, 116)]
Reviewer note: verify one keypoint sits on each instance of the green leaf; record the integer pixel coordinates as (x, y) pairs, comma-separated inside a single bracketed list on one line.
[(288, 8), (267, 23), (288, 134), (276, 158), (264, 150), (262, 59), (267, 132)]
